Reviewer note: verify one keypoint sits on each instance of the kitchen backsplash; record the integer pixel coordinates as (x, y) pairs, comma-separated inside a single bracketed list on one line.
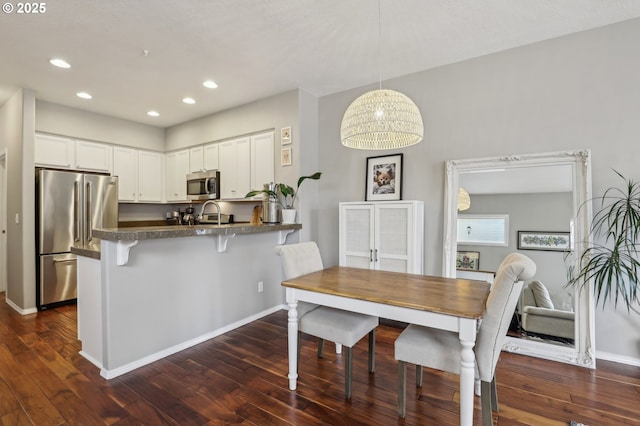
[(130, 212)]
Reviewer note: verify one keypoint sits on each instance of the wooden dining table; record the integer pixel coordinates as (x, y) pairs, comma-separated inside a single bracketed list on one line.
[(446, 303)]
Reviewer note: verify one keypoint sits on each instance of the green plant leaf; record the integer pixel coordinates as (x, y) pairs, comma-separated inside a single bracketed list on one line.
[(314, 176), (613, 266), (271, 194)]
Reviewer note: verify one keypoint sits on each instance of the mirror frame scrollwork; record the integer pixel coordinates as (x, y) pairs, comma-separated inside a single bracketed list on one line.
[(583, 352)]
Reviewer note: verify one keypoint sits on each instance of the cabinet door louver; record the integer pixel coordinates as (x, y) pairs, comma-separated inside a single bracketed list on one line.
[(392, 236), (358, 236)]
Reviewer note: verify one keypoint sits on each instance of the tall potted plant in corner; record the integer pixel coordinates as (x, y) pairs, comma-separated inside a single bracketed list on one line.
[(287, 196), (613, 265)]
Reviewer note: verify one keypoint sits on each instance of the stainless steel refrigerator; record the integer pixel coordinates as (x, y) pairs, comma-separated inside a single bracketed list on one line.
[(69, 205)]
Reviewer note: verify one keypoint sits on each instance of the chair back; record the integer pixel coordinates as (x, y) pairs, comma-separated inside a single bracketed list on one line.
[(501, 304), (299, 259)]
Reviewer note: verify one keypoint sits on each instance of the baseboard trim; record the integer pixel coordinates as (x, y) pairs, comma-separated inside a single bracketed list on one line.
[(113, 373), (622, 359), (19, 309)]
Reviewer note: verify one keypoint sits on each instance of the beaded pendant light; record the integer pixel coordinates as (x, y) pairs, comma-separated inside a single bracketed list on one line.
[(381, 119), (464, 200)]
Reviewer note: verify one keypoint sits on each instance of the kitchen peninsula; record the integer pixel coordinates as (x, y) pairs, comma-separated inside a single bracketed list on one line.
[(153, 291)]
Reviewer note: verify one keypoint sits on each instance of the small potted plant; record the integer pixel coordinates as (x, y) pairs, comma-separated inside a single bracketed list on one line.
[(287, 196)]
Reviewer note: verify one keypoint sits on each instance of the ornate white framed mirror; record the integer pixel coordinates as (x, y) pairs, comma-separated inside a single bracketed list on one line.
[(536, 183)]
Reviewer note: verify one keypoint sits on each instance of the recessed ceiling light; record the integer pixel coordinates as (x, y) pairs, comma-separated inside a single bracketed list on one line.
[(153, 113), (60, 63), (189, 101), (210, 84), (84, 95)]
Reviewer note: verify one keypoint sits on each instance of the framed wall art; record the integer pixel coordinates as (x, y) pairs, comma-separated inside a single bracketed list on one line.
[(548, 241), (285, 136), (384, 178), (468, 260), (285, 157)]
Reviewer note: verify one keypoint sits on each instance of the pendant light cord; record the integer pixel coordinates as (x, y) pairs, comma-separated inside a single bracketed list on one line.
[(379, 46)]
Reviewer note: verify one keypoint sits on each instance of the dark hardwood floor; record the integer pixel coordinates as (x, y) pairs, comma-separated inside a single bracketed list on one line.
[(240, 378)]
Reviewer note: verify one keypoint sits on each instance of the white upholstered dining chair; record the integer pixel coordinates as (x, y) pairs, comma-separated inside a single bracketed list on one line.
[(440, 349), (342, 327)]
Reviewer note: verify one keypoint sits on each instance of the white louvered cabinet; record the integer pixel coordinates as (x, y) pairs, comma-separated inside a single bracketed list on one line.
[(383, 235)]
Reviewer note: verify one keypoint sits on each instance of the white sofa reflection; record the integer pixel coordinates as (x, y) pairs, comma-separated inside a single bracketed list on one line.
[(539, 315)]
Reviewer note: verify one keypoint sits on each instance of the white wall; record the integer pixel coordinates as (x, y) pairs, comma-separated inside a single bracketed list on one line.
[(17, 124), (72, 122), (574, 92)]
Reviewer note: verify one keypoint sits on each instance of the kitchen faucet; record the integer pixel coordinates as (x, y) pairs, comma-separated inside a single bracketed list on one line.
[(204, 206)]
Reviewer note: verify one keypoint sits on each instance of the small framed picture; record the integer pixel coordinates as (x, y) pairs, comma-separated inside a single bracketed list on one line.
[(468, 260), (285, 156), (384, 178), (285, 135), (546, 241)]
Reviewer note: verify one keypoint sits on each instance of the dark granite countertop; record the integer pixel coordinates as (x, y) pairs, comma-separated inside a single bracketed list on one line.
[(178, 231), (91, 251)]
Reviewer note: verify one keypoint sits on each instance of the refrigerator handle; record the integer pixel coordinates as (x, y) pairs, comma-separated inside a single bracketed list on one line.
[(76, 211), (87, 197)]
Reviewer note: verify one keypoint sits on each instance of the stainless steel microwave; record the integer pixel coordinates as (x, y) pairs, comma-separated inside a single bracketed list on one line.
[(204, 185)]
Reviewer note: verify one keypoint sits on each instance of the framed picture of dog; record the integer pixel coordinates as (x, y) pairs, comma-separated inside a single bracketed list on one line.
[(384, 178)]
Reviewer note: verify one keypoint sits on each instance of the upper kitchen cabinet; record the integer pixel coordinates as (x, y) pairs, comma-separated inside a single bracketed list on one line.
[(93, 156), (177, 171), (235, 168), (382, 235), (125, 166), (262, 162), (211, 156), (150, 176), (140, 175), (67, 153), (245, 164), (203, 158), (54, 151), (196, 160)]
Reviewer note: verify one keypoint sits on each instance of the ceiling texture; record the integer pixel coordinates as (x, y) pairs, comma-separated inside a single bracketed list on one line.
[(258, 48)]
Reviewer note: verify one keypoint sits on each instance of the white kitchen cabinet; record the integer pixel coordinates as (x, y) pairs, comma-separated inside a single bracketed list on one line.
[(93, 156), (177, 171), (382, 235), (196, 159), (235, 168), (262, 162), (125, 166), (140, 175), (72, 154), (54, 151), (150, 176), (211, 157)]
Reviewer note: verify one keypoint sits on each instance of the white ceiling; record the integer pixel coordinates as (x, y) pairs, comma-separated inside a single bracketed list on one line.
[(257, 48)]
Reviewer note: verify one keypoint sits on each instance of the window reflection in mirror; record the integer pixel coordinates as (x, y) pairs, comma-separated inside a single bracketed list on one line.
[(483, 229)]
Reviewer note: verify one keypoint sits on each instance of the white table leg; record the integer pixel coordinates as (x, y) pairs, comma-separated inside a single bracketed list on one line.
[(293, 343), (467, 371)]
